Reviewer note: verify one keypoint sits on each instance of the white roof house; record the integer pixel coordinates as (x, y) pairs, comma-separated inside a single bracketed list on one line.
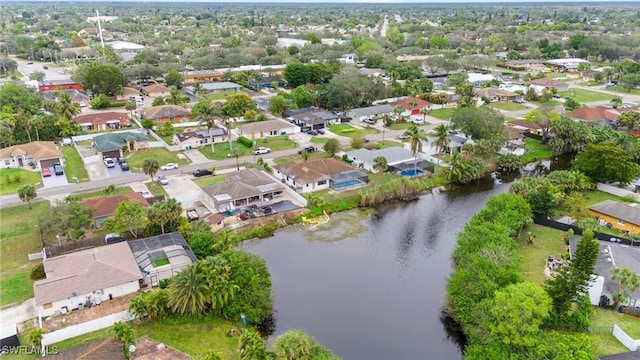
[(568, 63), (284, 43), (478, 79), (124, 45)]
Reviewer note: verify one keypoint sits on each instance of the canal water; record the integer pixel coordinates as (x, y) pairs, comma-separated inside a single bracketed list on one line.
[(370, 284)]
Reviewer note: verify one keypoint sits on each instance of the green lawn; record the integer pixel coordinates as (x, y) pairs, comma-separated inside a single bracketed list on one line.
[(156, 189), (388, 144), (212, 180), (444, 114), (547, 242), (349, 131), (589, 83), (318, 140), (585, 96), (315, 155), (535, 151), (401, 126), (161, 154), (99, 193), (74, 166), (19, 236), (12, 179), (620, 89), (221, 150), (602, 341), (594, 197), (508, 106)]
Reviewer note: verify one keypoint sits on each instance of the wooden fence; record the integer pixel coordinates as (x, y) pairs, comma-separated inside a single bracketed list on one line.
[(73, 246)]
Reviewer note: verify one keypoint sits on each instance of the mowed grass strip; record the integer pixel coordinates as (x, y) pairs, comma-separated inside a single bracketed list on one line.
[(74, 166), (547, 241), (444, 114), (12, 179), (19, 236), (161, 154), (585, 96), (349, 131), (222, 149), (210, 180)]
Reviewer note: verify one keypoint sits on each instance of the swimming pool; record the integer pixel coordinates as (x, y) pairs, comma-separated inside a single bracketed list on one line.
[(411, 173), (346, 184)]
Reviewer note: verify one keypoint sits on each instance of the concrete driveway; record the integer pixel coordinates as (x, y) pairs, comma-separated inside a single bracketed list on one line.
[(54, 180), (19, 313), (116, 171), (183, 189), (97, 170)]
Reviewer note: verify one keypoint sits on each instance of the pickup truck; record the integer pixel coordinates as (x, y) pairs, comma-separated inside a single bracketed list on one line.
[(192, 214)]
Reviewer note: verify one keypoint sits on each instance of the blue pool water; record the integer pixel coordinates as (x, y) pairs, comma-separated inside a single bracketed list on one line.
[(346, 184), (412, 172)]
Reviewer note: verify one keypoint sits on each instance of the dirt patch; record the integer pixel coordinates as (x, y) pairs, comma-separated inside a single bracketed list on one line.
[(107, 307)]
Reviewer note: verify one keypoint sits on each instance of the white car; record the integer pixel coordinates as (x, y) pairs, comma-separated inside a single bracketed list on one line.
[(417, 121), (108, 162), (169, 166), (261, 150), (163, 180)]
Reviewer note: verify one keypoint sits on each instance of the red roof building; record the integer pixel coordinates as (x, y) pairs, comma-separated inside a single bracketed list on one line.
[(412, 105), (103, 120), (106, 206)]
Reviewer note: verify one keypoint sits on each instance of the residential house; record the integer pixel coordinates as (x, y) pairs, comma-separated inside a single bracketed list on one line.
[(348, 59), (398, 159), (156, 90), (370, 112), (102, 120), (114, 144), (42, 154), (567, 64), (215, 87), (124, 46), (77, 96), (267, 128), (526, 127), (53, 85), (216, 221), (161, 257), (311, 118), (105, 207), (197, 76), (611, 256), (495, 94), (86, 278), (596, 115), (456, 140), (86, 32), (128, 93), (376, 73), (164, 113), (265, 82), (478, 80), (525, 64), (242, 189), (319, 174), (549, 84), (284, 43), (412, 106), (195, 139), (452, 100), (621, 216)]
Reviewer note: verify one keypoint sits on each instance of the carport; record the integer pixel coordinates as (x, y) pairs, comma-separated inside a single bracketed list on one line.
[(112, 154), (47, 163)]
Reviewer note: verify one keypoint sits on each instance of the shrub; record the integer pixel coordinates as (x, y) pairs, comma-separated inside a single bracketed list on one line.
[(37, 272), (17, 178), (245, 141), (118, 103), (347, 130)]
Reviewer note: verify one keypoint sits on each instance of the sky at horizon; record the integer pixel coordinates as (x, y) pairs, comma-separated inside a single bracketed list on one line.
[(349, 1)]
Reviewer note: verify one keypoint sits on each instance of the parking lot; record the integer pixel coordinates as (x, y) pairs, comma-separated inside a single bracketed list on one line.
[(54, 180)]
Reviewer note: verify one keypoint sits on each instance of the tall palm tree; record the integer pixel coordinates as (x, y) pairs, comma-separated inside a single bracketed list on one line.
[(293, 345), (236, 153), (616, 102), (441, 133), (424, 112), (380, 164), (174, 97), (456, 169), (628, 279), (65, 107), (150, 166), (207, 116), (189, 291), (416, 136), (162, 212), (218, 274), (36, 122), (227, 119)]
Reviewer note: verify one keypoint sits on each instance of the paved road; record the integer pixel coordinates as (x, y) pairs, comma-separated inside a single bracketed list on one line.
[(52, 73)]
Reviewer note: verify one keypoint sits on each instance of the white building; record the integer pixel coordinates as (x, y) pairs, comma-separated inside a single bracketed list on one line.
[(284, 43), (569, 63)]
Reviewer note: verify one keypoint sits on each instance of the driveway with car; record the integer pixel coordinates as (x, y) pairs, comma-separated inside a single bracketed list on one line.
[(54, 180)]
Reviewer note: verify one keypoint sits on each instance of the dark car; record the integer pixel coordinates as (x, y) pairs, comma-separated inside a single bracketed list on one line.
[(124, 166), (320, 131), (202, 172), (267, 210), (308, 149), (57, 169), (312, 132)]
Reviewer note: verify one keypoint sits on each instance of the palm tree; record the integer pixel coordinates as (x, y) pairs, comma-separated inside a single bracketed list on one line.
[(130, 105), (27, 193), (441, 134), (218, 274), (616, 101), (398, 109), (380, 164), (456, 169), (207, 116), (227, 119), (424, 112), (416, 136), (252, 346), (123, 333), (64, 106), (174, 97), (628, 279), (162, 212), (293, 345), (150, 167), (138, 305), (236, 153), (36, 123), (189, 291)]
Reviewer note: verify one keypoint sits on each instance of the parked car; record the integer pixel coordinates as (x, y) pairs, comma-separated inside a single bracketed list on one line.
[(519, 101), (403, 136), (320, 131), (163, 180), (46, 172), (169, 166), (312, 132), (192, 214), (45, 67), (202, 172), (261, 150), (417, 121), (108, 162), (267, 210), (146, 194), (113, 238), (308, 149), (369, 121), (57, 169), (124, 166), (29, 63)]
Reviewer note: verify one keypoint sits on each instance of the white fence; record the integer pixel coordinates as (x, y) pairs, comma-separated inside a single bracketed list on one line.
[(301, 199), (626, 340), (84, 328)]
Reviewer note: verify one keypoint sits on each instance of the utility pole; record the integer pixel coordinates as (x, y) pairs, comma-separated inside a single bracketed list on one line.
[(100, 29)]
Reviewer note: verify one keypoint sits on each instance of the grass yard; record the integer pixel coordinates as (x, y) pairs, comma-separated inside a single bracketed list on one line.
[(156, 189), (535, 151), (12, 179), (211, 180), (401, 126), (349, 131), (73, 167), (444, 114), (161, 154), (508, 106), (388, 144), (221, 150), (318, 140), (99, 193), (547, 242), (320, 154), (19, 236), (594, 197), (602, 342), (585, 96), (622, 90)]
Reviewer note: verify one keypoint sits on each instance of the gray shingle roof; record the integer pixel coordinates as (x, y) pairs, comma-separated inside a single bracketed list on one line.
[(373, 110), (266, 126), (393, 155), (618, 210), (242, 184)]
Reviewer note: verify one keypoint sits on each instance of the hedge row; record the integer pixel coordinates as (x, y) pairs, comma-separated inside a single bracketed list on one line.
[(245, 141)]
